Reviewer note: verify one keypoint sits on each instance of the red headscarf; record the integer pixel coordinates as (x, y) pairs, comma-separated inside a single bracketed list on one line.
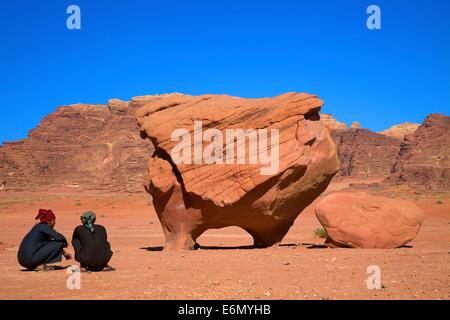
[(45, 215)]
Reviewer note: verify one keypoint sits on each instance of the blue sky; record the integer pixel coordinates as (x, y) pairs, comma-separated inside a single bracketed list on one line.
[(245, 48)]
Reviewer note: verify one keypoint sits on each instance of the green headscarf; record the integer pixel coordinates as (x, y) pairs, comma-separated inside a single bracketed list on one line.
[(88, 219)]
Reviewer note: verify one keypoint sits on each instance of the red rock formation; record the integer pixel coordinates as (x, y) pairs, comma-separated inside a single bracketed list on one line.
[(86, 147), (424, 157), (399, 131), (332, 123), (363, 153), (97, 147), (191, 198), (361, 220)]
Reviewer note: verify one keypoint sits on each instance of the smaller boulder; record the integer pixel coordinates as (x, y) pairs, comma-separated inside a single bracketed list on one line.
[(361, 220)]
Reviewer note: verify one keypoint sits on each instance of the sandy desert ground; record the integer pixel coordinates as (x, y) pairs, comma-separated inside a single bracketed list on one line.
[(224, 268)]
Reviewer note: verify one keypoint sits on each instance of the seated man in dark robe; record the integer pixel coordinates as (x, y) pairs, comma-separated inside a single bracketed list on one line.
[(90, 242), (42, 245)]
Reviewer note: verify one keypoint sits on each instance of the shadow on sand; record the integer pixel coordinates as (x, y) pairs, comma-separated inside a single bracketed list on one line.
[(159, 248), (200, 247), (52, 268)]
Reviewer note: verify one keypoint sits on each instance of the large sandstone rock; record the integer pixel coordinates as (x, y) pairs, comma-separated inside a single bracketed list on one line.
[(360, 220), (424, 157), (399, 131), (191, 198)]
